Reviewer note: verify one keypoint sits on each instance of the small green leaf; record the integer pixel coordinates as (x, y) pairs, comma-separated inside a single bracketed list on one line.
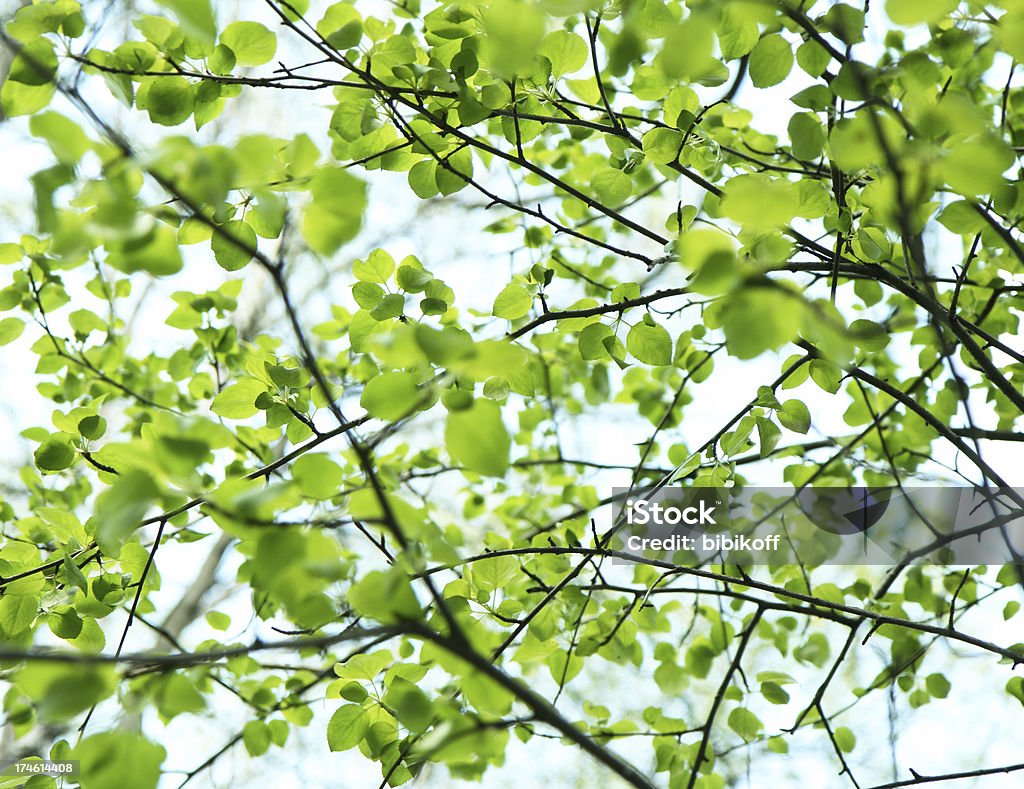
[(566, 52), (341, 25), (391, 396), (256, 738), (937, 685), (54, 454), (774, 693), (768, 435), (650, 344), (915, 12), (317, 475), (378, 267), (869, 335), (347, 727), (794, 416), (218, 620), (168, 100), (745, 723), (10, 330), (513, 302), (759, 202), (391, 306), (827, 375), (17, 612), (92, 427), (238, 401), (121, 508), (233, 244), (251, 42), (613, 187), (385, 596), (476, 438), (108, 757), (846, 740), (770, 61), (196, 18), (663, 146), (758, 319)]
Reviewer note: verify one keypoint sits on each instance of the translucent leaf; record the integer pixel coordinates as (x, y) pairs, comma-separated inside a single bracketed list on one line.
[(391, 396), (317, 475), (650, 344), (477, 439), (513, 302), (770, 61), (251, 42)]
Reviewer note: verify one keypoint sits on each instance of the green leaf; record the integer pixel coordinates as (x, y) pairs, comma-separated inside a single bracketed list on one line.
[(385, 596), (10, 330), (650, 344), (347, 727), (815, 650), (378, 267), (807, 136), (976, 167), (155, 252), (317, 476), (495, 573), (177, 695), (391, 306), (591, 341), (195, 17), (745, 723), (513, 302), (737, 32), (256, 738), (566, 52), (869, 335), (813, 58), (758, 319), (663, 145), (65, 137), (770, 61), (768, 436), (108, 757), (336, 212), (218, 620), (92, 427), (759, 202), (17, 612), (10, 253), (391, 396), (827, 375), (937, 685), (341, 25), (411, 705), (794, 416), (915, 12), (233, 244), (477, 439), (121, 508), (774, 693), (1015, 687), (251, 42), (845, 739), (613, 187), (62, 691), (238, 401), (54, 454), (168, 100)]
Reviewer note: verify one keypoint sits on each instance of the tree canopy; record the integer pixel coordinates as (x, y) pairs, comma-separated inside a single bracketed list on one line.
[(346, 492)]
